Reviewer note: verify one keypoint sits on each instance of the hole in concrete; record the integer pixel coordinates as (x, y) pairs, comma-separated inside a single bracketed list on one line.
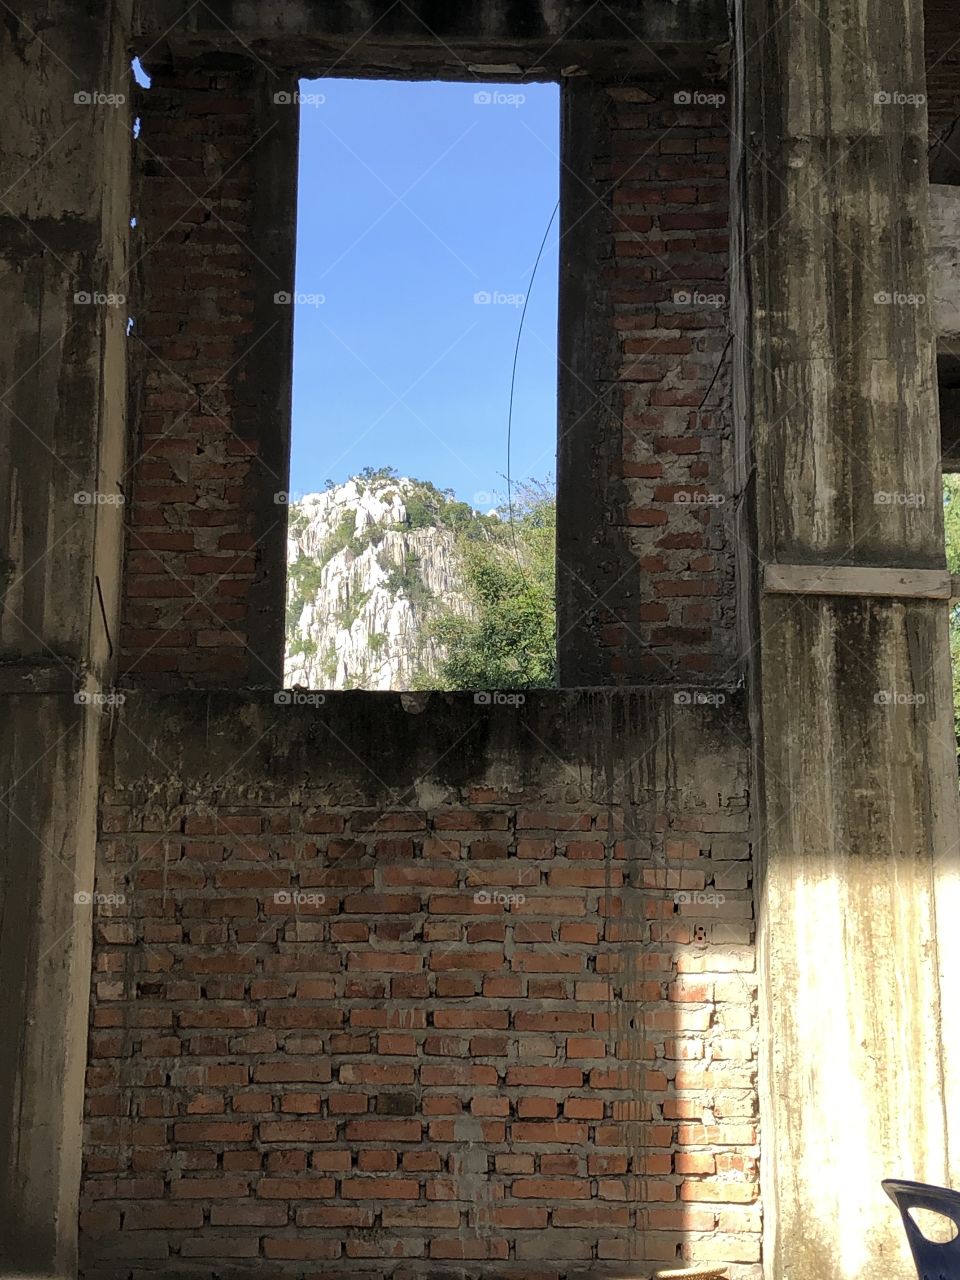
[(425, 339), (935, 1226), (136, 127), (140, 74)]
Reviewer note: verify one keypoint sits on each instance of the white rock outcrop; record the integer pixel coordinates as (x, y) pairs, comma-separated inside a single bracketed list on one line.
[(361, 596)]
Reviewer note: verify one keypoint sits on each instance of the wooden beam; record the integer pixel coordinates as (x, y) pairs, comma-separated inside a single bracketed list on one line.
[(857, 580)]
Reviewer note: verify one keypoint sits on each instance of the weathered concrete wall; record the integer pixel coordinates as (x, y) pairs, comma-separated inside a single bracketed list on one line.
[(859, 868), (324, 1035), (644, 476), (65, 206)]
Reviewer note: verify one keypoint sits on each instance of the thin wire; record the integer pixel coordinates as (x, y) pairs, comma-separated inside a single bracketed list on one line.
[(513, 389), (716, 374)]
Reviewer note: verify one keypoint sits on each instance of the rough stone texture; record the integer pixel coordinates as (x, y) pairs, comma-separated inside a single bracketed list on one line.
[(325, 1032), (854, 728), (645, 563), (215, 202), (352, 625)]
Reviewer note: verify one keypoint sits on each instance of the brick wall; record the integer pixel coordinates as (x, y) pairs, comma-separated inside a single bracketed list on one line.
[(407, 1066), (648, 595), (213, 243)]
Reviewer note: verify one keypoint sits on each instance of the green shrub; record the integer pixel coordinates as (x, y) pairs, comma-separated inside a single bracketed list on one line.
[(508, 639)]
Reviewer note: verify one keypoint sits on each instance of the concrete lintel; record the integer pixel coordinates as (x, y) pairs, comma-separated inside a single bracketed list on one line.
[(453, 40)]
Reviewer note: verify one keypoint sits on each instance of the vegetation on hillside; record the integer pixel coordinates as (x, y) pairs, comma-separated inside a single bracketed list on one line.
[(508, 639), (502, 634)]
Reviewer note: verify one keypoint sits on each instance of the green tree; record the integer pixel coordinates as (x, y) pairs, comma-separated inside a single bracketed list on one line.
[(508, 638)]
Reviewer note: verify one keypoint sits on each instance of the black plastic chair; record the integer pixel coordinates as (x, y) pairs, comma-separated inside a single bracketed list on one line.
[(933, 1260)]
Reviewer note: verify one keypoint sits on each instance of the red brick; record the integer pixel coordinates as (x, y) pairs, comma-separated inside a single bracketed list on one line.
[(551, 1189), (296, 1188), (380, 1189)]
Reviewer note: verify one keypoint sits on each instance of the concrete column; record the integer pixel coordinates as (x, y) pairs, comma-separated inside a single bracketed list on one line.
[(64, 213), (857, 894)]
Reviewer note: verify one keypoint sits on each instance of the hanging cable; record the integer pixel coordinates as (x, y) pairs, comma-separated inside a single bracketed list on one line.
[(513, 389), (513, 381)]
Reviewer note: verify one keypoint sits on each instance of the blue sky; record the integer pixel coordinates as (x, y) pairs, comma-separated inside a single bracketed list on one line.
[(399, 365)]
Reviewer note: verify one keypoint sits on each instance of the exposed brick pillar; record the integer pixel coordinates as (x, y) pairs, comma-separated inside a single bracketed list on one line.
[(645, 562), (217, 159)]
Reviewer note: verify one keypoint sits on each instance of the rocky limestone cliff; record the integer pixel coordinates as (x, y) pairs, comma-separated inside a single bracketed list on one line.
[(366, 573)]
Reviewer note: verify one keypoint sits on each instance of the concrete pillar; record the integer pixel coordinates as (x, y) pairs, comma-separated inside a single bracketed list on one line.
[(837, 409), (64, 213)]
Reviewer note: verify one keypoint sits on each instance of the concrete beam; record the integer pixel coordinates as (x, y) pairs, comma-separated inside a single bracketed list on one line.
[(473, 39), (64, 213), (857, 580), (852, 707)]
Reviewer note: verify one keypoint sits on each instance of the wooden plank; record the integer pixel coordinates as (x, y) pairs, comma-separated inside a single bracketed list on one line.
[(857, 580)]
